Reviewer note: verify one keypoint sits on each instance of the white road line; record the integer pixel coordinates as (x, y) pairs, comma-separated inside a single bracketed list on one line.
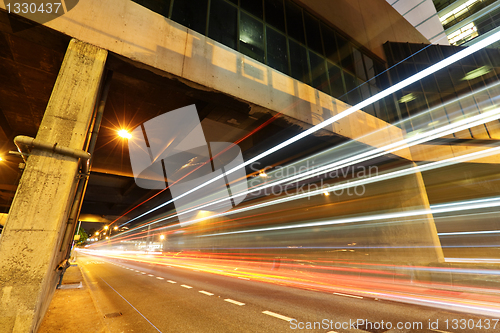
[(206, 292), (353, 296), (234, 302), (150, 275), (277, 315), (143, 273), (170, 281), (188, 287), (239, 277), (136, 270), (160, 278)]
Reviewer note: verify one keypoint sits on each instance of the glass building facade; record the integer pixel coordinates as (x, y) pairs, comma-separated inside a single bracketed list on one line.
[(465, 21), (288, 38), (462, 12), (462, 89)]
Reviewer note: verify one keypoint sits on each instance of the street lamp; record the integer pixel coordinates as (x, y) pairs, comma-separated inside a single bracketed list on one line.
[(124, 134), (162, 237)]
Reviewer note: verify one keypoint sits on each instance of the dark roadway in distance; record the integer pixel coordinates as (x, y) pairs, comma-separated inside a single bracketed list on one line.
[(156, 298)]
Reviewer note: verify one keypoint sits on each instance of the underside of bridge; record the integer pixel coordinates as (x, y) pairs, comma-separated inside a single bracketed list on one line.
[(30, 61)]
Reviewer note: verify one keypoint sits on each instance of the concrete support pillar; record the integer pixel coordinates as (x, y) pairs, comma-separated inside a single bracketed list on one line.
[(31, 241), (428, 227)]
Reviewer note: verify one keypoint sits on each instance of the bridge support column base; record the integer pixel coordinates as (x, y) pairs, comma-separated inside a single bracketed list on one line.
[(30, 246)]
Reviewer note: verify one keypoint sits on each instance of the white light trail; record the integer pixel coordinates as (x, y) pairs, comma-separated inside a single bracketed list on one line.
[(460, 233), (476, 204), (412, 79), (365, 181), (466, 123)]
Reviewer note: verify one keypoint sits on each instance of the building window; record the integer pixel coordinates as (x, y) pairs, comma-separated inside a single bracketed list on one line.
[(294, 22), (277, 53), (275, 14), (285, 37), (298, 60), (251, 37), (191, 14), (223, 23)]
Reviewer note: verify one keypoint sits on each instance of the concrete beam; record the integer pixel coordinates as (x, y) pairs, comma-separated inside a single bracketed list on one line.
[(31, 240), (178, 52)]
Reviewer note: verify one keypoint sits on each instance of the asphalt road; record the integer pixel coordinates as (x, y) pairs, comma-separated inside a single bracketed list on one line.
[(141, 297)]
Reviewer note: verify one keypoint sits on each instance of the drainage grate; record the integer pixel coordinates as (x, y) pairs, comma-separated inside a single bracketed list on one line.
[(112, 315)]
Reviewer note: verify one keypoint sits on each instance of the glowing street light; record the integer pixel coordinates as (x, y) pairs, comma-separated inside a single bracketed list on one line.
[(106, 227), (124, 134), (107, 237), (162, 237), (97, 233), (1, 159), (115, 228)]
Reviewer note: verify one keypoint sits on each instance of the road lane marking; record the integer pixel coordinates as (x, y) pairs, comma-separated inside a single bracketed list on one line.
[(234, 302), (185, 286), (353, 296), (143, 273), (277, 315), (239, 277), (160, 278), (150, 275), (170, 281), (206, 292)]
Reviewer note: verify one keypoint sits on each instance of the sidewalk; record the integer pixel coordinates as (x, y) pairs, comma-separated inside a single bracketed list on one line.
[(72, 309)]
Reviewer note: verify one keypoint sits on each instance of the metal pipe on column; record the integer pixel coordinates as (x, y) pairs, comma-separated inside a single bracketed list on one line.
[(82, 182)]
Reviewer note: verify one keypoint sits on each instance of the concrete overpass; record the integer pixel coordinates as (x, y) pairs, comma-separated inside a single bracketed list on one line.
[(54, 78)]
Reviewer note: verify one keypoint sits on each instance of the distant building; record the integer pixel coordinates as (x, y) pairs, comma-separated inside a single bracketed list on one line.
[(423, 16), (468, 21), (451, 22)]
